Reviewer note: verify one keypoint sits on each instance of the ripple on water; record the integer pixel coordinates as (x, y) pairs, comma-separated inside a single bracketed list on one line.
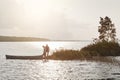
[(56, 70)]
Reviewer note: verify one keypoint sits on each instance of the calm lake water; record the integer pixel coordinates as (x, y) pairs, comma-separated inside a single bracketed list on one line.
[(52, 69)]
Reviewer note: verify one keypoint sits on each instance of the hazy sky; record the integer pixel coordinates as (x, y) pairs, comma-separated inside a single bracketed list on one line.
[(57, 19)]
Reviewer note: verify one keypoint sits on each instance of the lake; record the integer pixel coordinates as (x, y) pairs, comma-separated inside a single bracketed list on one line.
[(52, 69), (35, 48)]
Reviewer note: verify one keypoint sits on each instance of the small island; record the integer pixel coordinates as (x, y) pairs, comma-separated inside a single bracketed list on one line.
[(104, 46)]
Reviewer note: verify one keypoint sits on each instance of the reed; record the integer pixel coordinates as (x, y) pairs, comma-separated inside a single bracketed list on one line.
[(100, 51)]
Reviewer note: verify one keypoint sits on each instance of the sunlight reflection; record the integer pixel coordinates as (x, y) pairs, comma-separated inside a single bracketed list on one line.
[(48, 69)]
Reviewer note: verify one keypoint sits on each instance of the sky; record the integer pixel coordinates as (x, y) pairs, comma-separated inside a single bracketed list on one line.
[(57, 19)]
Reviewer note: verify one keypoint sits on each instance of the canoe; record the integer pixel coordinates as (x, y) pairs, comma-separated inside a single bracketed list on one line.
[(24, 57)]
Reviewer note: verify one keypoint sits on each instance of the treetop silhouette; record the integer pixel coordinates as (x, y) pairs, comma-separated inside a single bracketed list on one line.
[(107, 31)]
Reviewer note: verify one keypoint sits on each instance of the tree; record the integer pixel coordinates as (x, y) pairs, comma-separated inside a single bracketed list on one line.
[(106, 30)]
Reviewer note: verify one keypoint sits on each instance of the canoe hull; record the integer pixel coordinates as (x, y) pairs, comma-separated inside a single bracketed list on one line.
[(24, 57)]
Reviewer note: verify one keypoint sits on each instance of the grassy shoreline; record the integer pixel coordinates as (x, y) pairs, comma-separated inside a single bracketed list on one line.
[(101, 51)]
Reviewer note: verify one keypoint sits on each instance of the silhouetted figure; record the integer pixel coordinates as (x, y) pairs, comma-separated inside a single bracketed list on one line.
[(44, 52), (47, 50)]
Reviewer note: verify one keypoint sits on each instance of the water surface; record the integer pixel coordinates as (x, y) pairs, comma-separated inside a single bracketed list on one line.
[(51, 69)]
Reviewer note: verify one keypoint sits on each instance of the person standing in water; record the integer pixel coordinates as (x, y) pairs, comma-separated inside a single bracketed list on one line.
[(44, 52), (47, 50)]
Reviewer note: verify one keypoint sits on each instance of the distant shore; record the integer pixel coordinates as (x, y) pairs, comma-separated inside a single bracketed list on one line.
[(19, 39), (22, 39)]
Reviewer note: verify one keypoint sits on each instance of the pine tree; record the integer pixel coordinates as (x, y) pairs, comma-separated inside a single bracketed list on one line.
[(106, 30)]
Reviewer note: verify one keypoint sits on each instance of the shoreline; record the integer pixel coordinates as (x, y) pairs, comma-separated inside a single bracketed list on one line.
[(108, 59)]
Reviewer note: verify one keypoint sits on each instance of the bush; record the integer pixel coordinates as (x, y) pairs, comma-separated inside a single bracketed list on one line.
[(103, 49)]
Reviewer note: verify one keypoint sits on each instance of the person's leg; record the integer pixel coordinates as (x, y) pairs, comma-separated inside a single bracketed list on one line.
[(43, 55), (47, 53)]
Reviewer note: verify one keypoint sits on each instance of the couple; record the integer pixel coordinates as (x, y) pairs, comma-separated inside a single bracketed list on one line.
[(46, 50)]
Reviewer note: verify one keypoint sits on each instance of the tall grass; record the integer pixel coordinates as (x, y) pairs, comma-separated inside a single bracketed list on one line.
[(92, 51), (65, 54)]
